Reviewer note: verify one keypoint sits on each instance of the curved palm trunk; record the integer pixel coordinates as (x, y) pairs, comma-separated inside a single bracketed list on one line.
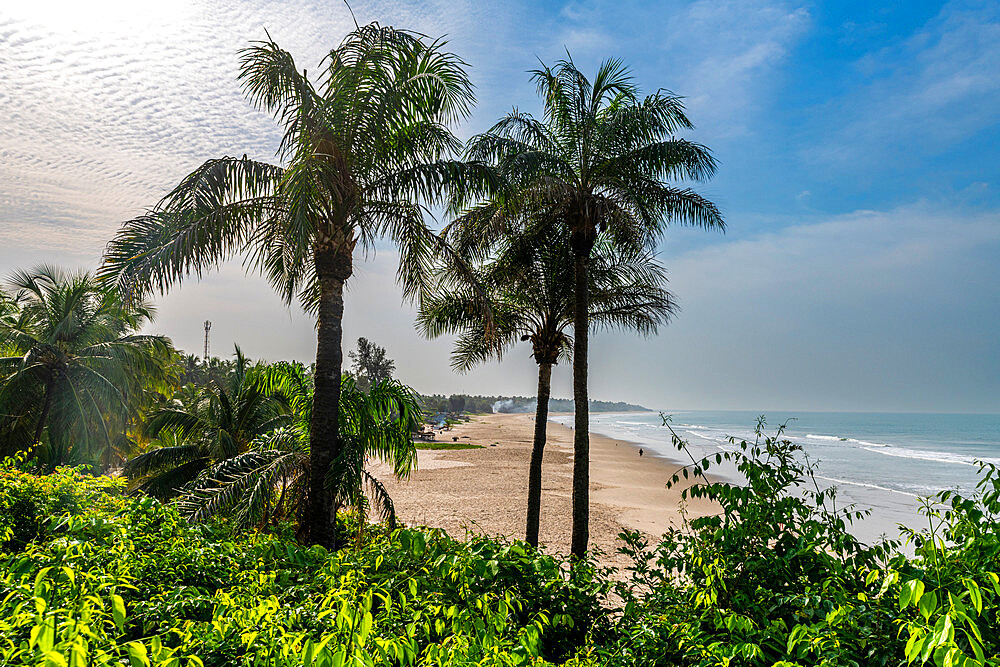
[(581, 426), (537, 449), (333, 267)]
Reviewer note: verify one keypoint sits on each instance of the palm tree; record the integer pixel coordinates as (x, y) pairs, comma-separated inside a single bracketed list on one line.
[(363, 149), (269, 481), (222, 420), (598, 162), (532, 297), (73, 371)]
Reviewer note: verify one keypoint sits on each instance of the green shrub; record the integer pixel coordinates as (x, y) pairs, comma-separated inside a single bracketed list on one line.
[(89, 575), (776, 578), (119, 578), (31, 505)]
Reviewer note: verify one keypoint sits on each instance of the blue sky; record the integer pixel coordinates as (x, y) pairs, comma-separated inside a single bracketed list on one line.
[(858, 145)]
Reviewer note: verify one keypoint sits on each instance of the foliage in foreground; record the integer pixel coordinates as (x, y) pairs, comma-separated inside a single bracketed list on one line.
[(119, 579), (89, 575), (777, 579)]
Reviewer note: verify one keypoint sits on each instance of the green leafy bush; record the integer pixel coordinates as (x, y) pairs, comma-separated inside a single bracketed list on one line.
[(29, 503), (89, 575), (118, 578), (949, 595), (776, 578)]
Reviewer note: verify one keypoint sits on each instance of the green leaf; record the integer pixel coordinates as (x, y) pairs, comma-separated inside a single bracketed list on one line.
[(995, 580), (55, 659), (912, 650), (977, 647), (365, 628), (975, 595), (118, 611), (44, 635), (911, 592), (137, 655), (927, 604)]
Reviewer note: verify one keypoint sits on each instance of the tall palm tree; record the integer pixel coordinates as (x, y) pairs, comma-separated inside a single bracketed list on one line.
[(222, 420), (73, 369), (363, 149), (532, 299), (269, 481), (598, 162)]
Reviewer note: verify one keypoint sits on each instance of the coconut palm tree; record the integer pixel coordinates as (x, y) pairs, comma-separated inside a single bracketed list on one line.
[(531, 292), (601, 161), (73, 371), (269, 481), (222, 420), (363, 149)]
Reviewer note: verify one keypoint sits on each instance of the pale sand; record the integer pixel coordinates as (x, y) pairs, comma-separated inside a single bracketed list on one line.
[(485, 490)]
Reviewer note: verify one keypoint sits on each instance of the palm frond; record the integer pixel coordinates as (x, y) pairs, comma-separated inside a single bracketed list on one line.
[(384, 506), (244, 486)]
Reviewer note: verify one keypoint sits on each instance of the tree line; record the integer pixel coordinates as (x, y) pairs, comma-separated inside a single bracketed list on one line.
[(478, 404)]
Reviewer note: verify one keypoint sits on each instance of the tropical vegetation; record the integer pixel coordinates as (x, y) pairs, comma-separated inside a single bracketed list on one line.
[(370, 363), (195, 430), (269, 482), (93, 575), (75, 373)]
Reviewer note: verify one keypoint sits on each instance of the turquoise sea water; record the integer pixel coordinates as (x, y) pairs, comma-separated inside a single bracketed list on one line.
[(879, 461)]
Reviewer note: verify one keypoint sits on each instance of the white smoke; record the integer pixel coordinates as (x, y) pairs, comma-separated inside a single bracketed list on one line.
[(508, 405)]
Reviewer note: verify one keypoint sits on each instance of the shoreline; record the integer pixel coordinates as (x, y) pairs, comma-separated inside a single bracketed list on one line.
[(485, 490), (889, 508)]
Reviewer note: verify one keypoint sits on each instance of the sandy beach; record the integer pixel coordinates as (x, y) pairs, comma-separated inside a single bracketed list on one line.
[(485, 490)]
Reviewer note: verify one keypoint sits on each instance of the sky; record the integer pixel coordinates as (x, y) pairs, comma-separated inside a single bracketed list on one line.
[(859, 179)]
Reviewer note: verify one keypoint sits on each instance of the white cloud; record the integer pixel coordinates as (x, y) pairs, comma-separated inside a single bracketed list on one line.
[(726, 56), (874, 310), (106, 104)]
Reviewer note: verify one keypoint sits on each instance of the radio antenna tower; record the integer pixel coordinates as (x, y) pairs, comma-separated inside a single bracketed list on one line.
[(208, 327)]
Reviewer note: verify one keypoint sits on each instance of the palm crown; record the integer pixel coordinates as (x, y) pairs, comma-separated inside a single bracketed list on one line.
[(601, 160), (268, 480), (532, 295), (530, 288), (360, 148), (74, 371), (221, 421)]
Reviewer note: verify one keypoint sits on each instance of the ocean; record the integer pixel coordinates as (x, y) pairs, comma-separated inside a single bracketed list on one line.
[(879, 461)]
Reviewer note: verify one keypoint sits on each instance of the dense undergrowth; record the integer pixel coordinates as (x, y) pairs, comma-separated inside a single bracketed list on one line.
[(91, 575)]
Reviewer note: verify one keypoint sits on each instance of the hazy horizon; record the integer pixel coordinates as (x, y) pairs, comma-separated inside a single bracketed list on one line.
[(858, 177)]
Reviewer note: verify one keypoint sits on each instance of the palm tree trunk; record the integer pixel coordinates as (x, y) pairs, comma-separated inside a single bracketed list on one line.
[(333, 267), (537, 449), (581, 426), (46, 407)]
